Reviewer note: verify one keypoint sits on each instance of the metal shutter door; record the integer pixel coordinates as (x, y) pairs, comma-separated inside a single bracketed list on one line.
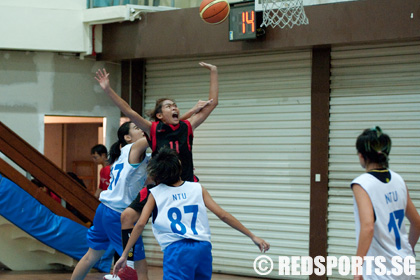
[(371, 85), (252, 153)]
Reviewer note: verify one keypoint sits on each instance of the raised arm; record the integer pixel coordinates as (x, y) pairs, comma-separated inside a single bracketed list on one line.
[(202, 115), (137, 151), (232, 221), (135, 234), (197, 108), (103, 79)]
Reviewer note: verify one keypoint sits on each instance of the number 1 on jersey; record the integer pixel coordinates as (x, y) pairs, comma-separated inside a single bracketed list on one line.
[(174, 145), (119, 168), (392, 225)]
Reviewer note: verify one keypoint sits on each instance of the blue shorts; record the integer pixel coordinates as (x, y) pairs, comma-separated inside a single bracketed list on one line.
[(106, 230), (187, 259)]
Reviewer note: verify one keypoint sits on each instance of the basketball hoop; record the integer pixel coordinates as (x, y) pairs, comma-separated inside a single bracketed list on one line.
[(283, 13)]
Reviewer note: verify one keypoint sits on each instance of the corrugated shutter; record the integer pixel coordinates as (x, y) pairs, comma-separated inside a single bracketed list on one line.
[(253, 152), (371, 85)]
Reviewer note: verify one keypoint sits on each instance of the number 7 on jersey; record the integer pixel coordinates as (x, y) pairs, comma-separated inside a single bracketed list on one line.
[(175, 217)]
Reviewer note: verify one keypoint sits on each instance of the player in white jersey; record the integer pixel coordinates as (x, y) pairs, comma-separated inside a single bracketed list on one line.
[(127, 180), (128, 175), (180, 222), (381, 201)]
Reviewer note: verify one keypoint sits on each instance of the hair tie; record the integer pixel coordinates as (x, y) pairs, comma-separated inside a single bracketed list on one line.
[(378, 131)]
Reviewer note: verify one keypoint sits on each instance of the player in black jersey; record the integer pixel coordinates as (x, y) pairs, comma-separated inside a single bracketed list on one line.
[(178, 137), (167, 129)]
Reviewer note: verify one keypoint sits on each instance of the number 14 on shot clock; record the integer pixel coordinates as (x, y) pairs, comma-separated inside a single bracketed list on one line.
[(244, 22)]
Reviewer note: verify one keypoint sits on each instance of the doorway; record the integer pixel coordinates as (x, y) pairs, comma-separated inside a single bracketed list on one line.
[(67, 143)]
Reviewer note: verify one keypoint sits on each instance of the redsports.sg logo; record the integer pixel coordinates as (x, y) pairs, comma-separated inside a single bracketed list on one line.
[(354, 265)]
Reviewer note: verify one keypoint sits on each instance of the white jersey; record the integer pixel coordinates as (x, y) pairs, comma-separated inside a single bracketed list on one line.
[(181, 214), (390, 237), (126, 181)]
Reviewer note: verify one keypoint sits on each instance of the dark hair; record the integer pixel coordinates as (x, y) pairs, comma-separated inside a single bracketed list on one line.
[(75, 177), (115, 150), (158, 108), (374, 145), (99, 149), (165, 167)]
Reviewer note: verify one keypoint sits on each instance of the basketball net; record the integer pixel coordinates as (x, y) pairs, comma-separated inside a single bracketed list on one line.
[(283, 13)]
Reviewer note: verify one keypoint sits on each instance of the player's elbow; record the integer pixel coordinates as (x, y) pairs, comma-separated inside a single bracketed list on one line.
[(224, 216), (142, 225), (368, 230), (215, 102)]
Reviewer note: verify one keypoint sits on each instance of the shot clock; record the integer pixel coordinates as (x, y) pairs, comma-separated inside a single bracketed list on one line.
[(244, 22)]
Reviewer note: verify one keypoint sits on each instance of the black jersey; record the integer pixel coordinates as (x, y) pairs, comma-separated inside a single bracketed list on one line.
[(177, 137)]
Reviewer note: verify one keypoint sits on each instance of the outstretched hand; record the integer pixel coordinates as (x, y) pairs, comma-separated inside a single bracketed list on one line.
[(208, 66), (103, 78), (264, 246), (121, 263), (200, 105)]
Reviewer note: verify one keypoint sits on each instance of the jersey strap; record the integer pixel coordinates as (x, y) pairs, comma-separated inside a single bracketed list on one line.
[(190, 133), (153, 135)]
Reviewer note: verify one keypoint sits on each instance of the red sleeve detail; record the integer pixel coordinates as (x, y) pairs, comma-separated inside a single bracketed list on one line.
[(143, 194), (190, 134), (153, 135)]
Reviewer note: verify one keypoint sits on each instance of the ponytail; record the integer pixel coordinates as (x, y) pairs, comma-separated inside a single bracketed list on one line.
[(115, 151), (374, 145)]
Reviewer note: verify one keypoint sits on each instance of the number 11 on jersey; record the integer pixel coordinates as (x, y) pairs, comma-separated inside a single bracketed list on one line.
[(174, 145)]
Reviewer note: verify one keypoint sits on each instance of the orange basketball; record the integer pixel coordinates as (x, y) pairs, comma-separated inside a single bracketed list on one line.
[(214, 11)]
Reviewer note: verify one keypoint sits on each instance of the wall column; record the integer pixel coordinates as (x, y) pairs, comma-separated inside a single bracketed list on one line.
[(320, 103)]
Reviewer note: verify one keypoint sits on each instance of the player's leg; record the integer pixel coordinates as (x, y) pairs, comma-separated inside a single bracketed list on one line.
[(139, 262), (141, 268), (112, 228), (140, 265), (97, 241), (86, 263), (128, 218)]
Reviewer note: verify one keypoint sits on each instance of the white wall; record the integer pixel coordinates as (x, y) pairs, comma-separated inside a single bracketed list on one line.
[(35, 84), (48, 25)]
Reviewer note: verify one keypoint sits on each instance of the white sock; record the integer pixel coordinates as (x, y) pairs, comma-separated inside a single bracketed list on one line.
[(130, 264)]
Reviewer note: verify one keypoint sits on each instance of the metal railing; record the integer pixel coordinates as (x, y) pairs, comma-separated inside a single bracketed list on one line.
[(108, 3)]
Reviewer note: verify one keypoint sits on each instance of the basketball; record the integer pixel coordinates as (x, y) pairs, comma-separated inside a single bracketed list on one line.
[(127, 273), (214, 11)]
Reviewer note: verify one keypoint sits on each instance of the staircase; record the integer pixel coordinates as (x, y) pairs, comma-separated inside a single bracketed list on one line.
[(19, 250), (46, 172), (27, 253)]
